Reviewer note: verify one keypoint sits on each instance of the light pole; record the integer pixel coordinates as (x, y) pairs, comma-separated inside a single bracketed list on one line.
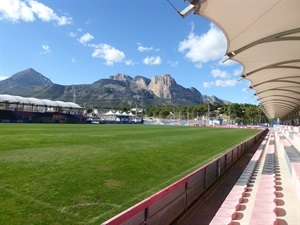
[(229, 115)]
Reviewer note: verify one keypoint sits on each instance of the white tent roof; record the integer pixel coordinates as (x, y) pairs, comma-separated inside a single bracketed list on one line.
[(38, 102), (118, 113), (34, 101), (264, 36), (72, 105), (50, 103), (63, 104), (109, 113), (130, 114)]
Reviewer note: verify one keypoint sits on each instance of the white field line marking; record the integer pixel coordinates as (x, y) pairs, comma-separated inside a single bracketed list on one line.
[(66, 208), (178, 176), (39, 202), (63, 210), (115, 207)]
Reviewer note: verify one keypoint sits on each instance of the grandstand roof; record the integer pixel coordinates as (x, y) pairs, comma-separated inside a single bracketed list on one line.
[(38, 102), (264, 36)]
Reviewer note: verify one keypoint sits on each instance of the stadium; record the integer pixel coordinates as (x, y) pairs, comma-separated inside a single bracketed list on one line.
[(26, 110), (268, 189), (252, 179)]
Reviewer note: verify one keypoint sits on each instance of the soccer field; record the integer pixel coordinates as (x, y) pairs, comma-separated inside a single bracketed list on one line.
[(87, 173)]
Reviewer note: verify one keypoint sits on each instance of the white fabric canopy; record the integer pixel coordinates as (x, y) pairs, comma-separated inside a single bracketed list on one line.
[(38, 102), (109, 113), (264, 36)]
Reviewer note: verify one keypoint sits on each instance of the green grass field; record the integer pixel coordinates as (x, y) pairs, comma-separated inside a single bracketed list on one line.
[(84, 174)]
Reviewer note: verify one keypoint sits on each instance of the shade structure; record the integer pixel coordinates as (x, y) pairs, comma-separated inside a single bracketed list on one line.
[(37, 102), (264, 36)]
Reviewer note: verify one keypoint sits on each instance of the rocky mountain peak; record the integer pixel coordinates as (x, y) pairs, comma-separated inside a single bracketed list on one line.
[(121, 77), (141, 83), (213, 99), (163, 86), (30, 76), (165, 79)]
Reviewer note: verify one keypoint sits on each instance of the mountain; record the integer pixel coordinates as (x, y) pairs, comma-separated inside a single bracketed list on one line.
[(213, 99), (30, 83), (117, 90)]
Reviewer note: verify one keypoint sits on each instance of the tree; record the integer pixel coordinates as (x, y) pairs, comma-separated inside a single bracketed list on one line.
[(236, 113), (164, 113)]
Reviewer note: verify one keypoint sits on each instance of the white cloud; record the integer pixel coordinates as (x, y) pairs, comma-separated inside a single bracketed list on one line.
[(145, 49), (3, 77), (46, 50), (129, 62), (16, 10), (47, 14), (219, 73), (173, 63), (208, 47), (220, 83), (88, 21), (152, 60), (73, 60), (238, 72), (198, 65), (84, 39), (110, 54), (208, 84), (72, 34), (225, 83), (107, 52)]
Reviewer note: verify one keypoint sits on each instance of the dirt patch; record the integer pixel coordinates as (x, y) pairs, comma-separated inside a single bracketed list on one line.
[(103, 168), (111, 183)]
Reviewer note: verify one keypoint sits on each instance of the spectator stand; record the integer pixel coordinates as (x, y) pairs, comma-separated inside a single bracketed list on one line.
[(24, 110)]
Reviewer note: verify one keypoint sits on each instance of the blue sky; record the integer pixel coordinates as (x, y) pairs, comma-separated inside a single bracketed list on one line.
[(82, 41)]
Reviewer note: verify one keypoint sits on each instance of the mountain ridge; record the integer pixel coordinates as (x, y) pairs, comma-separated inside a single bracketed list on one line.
[(116, 90)]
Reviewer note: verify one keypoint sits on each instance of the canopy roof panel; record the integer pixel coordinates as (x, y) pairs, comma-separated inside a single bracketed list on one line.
[(35, 101), (50, 103), (38, 102), (8, 98), (72, 105), (63, 104), (264, 36)]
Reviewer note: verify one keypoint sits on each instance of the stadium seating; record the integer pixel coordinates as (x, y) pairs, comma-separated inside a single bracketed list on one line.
[(292, 156), (228, 210), (8, 115), (264, 208), (261, 199)]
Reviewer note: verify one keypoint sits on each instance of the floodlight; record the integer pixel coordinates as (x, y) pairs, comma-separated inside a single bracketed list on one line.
[(189, 9)]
